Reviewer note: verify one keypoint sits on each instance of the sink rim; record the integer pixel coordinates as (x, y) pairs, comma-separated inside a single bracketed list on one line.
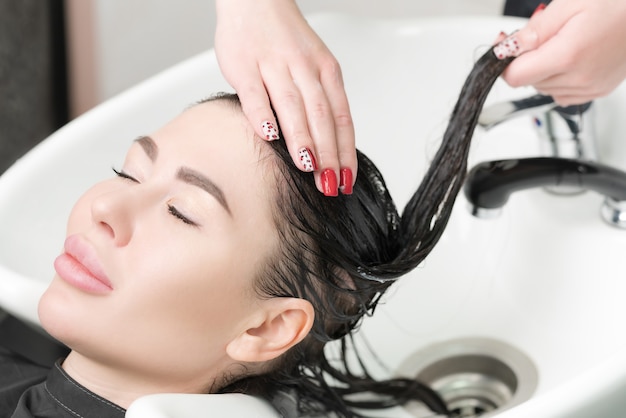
[(581, 383)]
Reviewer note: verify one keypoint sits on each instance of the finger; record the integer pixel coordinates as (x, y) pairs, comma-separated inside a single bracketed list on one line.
[(573, 84), (530, 44), (322, 129), (256, 106), (542, 25), (332, 81), (560, 89), (567, 97), (572, 99), (501, 37), (289, 106)]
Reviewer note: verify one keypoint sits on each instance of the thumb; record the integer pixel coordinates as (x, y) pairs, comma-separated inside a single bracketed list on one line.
[(543, 25)]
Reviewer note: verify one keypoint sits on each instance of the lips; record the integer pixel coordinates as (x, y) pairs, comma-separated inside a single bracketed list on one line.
[(80, 267)]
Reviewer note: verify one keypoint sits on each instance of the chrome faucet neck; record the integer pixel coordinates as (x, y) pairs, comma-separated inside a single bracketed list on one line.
[(564, 132)]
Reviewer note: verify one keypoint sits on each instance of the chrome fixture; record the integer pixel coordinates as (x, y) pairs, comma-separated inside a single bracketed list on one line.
[(476, 377), (565, 132), (489, 184)]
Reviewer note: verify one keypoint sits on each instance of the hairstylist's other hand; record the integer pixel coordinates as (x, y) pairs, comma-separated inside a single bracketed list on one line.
[(573, 50), (268, 52)]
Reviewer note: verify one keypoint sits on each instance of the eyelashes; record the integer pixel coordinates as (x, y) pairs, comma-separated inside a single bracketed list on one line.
[(170, 208), (122, 174), (174, 212)]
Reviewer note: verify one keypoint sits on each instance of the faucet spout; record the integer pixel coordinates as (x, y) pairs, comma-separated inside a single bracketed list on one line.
[(565, 132), (489, 184), (503, 111)]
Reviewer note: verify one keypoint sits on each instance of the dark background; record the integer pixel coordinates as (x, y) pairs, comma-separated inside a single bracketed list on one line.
[(33, 81)]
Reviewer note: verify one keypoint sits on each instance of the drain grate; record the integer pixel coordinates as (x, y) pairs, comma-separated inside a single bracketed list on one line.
[(473, 376)]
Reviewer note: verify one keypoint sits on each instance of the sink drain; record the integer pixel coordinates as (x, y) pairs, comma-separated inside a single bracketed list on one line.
[(475, 377)]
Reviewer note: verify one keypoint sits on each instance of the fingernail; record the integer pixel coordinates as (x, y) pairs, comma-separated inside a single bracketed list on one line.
[(269, 130), (538, 9), (345, 181), (498, 38), (307, 159), (329, 182), (509, 47)]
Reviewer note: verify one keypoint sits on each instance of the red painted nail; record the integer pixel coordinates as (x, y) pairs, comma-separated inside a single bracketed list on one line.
[(538, 9), (329, 182), (345, 181)]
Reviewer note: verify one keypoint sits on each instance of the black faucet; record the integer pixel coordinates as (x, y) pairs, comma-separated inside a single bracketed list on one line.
[(489, 184)]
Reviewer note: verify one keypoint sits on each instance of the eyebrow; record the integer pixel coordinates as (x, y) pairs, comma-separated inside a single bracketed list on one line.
[(149, 147), (194, 178), (186, 174)]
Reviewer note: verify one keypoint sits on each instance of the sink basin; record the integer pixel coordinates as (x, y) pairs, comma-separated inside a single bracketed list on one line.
[(547, 277)]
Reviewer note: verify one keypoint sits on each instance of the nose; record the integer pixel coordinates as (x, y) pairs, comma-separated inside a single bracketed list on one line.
[(114, 215)]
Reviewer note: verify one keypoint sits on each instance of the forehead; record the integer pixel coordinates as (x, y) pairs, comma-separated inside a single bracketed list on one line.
[(217, 140), (216, 136)]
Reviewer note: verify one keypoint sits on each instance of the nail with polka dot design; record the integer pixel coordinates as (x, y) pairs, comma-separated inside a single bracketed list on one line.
[(307, 159), (509, 47), (269, 130)]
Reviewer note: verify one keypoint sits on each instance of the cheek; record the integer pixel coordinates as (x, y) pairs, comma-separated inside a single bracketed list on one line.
[(192, 284), (199, 307), (80, 216), (181, 277)]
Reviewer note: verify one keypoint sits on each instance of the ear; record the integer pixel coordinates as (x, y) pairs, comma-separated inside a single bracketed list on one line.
[(283, 323)]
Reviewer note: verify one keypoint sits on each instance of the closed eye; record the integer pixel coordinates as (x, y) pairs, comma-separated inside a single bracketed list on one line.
[(171, 209), (124, 175), (174, 212)]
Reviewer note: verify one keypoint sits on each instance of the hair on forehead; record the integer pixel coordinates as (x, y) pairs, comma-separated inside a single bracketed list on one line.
[(224, 97)]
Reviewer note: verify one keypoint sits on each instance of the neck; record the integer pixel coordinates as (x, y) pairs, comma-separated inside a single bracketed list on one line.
[(122, 386)]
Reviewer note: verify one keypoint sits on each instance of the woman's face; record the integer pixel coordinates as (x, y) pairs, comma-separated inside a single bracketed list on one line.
[(156, 276)]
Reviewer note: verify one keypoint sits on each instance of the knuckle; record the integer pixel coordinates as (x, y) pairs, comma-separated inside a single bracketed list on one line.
[(330, 65), (289, 98), (513, 78), (320, 110), (327, 158), (348, 155), (514, 82), (330, 70), (296, 134), (343, 120)]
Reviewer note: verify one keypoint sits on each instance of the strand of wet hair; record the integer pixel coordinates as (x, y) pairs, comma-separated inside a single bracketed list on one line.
[(426, 215), (417, 232), (404, 243)]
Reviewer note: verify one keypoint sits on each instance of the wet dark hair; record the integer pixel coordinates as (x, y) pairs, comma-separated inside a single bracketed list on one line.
[(343, 253)]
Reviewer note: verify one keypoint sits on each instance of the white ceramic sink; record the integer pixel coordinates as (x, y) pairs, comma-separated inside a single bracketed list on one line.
[(547, 277)]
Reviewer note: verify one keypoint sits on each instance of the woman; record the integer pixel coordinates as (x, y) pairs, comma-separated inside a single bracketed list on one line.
[(211, 264)]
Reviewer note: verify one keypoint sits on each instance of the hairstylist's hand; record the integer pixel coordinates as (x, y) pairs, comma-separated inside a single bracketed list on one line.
[(573, 50), (268, 52)]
